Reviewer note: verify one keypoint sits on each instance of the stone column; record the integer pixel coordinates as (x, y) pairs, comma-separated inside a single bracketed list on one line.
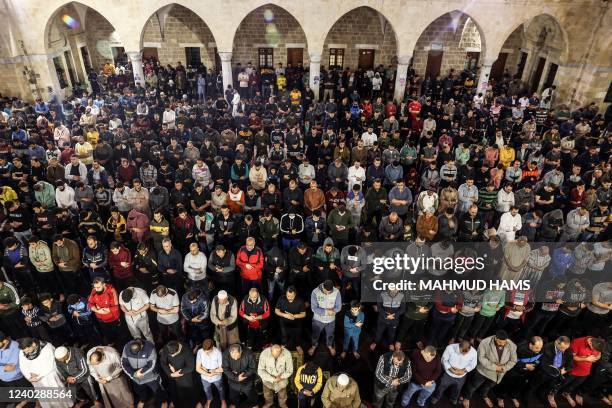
[(226, 69), (315, 73), (483, 75), (137, 70), (400, 77)]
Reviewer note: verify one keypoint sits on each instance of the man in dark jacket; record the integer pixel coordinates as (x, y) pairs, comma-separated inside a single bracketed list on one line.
[(95, 258), (170, 266), (195, 309), (471, 226), (239, 367), (139, 362), (300, 263), (557, 360), (528, 353), (275, 268), (72, 367)]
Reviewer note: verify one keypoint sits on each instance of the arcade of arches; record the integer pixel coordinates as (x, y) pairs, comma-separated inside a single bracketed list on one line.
[(568, 46)]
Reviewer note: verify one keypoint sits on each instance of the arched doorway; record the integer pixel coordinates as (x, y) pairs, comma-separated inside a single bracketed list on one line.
[(270, 37), (451, 43), (175, 33), (80, 40), (531, 54), (362, 38)]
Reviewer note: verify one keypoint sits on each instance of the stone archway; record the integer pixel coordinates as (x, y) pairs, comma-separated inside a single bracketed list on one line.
[(270, 35), (78, 39), (175, 33), (533, 52), (361, 34), (453, 41)]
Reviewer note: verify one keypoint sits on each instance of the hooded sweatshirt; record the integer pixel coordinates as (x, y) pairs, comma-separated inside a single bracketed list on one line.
[(320, 302), (40, 256)]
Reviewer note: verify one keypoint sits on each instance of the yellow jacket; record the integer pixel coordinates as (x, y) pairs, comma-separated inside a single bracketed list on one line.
[(506, 156), (7, 194)]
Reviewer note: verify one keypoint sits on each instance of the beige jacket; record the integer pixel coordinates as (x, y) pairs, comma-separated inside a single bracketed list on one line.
[(488, 359), (269, 368), (258, 178), (334, 396)]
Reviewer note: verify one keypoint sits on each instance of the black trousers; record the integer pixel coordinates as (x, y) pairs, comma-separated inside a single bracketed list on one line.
[(411, 332), (144, 391), (243, 392), (169, 332), (291, 336), (113, 333), (480, 383)]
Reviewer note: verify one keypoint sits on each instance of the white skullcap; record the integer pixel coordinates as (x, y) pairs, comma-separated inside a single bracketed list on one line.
[(61, 352), (222, 294), (343, 380)]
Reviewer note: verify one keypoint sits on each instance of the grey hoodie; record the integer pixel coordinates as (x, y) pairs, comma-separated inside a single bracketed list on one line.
[(358, 261), (145, 359)]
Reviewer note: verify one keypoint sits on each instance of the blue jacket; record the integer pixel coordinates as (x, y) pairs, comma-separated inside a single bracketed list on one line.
[(10, 355), (199, 308), (349, 326), (85, 314)]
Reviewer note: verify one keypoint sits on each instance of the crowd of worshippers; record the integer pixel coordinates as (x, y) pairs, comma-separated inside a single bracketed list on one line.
[(182, 230)]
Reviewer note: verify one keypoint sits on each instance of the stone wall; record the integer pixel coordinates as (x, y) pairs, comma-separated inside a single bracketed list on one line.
[(182, 28), (456, 32), (512, 46), (362, 26), (101, 38), (268, 27)]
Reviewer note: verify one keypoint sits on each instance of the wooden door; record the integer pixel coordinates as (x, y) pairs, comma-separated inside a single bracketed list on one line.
[(434, 63), (295, 56), (537, 75), (366, 59), (497, 69)]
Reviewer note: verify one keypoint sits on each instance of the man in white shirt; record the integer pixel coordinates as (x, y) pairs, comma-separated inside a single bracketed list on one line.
[(134, 303), (505, 199), (509, 223), (458, 360), (165, 302), (64, 195), (169, 118), (356, 175), (369, 137), (61, 135), (235, 103), (195, 264), (306, 173)]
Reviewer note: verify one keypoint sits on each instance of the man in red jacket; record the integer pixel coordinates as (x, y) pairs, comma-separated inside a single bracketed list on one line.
[(120, 262), (255, 310), (587, 350), (103, 301), (250, 260)]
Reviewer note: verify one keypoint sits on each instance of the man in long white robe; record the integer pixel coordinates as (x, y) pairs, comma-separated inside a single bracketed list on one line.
[(37, 364), (105, 367), (509, 223)]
